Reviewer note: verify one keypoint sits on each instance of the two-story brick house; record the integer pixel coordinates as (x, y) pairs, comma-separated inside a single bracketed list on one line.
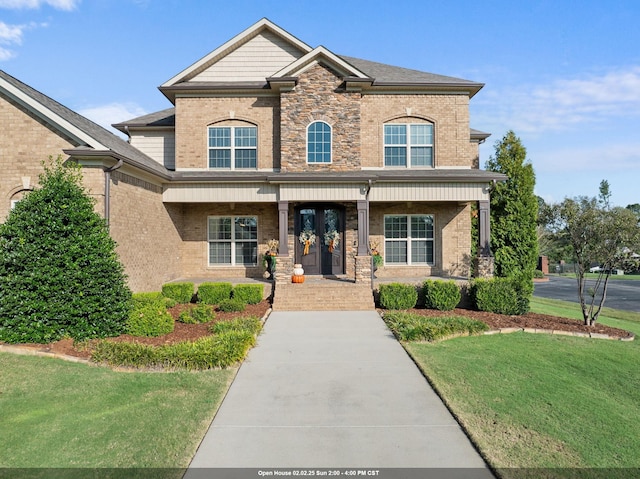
[(270, 138)]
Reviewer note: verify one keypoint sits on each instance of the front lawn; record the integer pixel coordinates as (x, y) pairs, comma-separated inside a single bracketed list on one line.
[(57, 414), (543, 401)]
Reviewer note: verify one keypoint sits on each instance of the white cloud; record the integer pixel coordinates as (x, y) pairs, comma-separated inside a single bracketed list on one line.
[(31, 4), (12, 35), (565, 103), (5, 54), (609, 157), (106, 115)]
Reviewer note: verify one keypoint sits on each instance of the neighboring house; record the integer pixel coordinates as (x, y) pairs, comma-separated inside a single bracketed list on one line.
[(270, 138)]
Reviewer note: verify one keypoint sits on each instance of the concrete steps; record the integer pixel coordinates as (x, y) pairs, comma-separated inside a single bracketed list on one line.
[(323, 296)]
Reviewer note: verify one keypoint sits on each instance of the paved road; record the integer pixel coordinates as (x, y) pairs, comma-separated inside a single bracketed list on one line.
[(333, 390), (621, 294)]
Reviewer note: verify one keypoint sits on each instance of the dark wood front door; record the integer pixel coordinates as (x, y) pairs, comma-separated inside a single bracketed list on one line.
[(320, 239)]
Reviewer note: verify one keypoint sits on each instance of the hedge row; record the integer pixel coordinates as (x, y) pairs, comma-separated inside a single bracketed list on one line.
[(212, 293), (498, 295)]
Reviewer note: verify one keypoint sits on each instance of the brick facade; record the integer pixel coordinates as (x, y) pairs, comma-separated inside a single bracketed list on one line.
[(25, 142), (195, 115)]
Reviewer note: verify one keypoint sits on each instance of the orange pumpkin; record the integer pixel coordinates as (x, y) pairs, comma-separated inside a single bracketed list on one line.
[(297, 278)]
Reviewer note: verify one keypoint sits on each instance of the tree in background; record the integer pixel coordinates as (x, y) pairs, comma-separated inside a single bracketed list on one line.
[(59, 272), (596, 233), (514, 210)]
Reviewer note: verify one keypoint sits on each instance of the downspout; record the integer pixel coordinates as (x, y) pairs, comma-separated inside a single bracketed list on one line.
[(107, 190)]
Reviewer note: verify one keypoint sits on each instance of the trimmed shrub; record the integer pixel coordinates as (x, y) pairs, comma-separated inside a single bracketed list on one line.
[(538, 274), (249, 323), (60, 275), (441, 295), (213, 293), (210, 352), (232, 305), (249, 293), (139, 300), (398, 296), (150, 320), (502, 295), (182, 293), (414, 327), (201, 313)]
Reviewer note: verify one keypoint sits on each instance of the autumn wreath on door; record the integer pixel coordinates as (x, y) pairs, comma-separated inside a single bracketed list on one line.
[(332, 239), (307, 238)]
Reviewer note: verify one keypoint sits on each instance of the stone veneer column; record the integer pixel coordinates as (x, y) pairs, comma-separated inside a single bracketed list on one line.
[(284, 270), (363, 269)]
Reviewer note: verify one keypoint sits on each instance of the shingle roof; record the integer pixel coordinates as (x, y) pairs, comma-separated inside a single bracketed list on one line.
[(163, 118), (101, 136), (389, 74)]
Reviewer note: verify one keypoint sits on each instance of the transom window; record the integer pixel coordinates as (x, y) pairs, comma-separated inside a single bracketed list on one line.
[(319, 142), (233, 240), (408, 145), (408, 239), (233, 147)]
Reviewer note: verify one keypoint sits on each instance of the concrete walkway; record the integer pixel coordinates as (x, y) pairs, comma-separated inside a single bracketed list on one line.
[(333, 390)]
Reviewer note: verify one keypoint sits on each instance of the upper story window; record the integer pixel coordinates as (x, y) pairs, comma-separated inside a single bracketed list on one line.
[(319, 142), (233, 147), (408, 145)]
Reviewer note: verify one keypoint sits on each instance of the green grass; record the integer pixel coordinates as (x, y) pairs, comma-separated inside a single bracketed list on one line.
[(57, 414), (543, 401)]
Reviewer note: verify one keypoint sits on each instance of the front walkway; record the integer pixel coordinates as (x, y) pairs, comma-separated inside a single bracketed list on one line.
[(333, 390)]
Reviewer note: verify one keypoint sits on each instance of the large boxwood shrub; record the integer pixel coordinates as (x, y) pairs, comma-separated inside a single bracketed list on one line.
[(60, 275), (248, 293), (502, 295), (180, 292), (398, 296), (441, 295), (214, 293)]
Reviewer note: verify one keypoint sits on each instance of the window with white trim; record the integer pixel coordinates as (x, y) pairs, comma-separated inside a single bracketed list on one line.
[(319, 142), (408, 239), (233, 147), (233, 240), (408, 145)]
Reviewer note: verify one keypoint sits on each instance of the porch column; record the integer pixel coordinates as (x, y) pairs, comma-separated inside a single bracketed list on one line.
[(484, 263), (363, 227), (283, 227), (484, 228)]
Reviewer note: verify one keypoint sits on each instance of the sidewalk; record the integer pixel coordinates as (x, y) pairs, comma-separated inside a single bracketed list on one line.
[(332, 390)]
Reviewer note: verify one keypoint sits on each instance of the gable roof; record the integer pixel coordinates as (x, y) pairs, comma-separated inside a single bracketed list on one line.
[(261, 26), (91, 139), (229, 67)]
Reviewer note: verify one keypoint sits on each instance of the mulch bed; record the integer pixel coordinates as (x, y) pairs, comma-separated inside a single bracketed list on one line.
[(529, 320), (190, 332), (181, 332)]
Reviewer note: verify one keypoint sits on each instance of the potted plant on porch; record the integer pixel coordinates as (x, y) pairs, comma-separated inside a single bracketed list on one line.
[(269, 258)]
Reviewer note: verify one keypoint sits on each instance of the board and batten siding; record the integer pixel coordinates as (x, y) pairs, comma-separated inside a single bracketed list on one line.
[(323, 192), (221, 193), (259, 58), (161, 146), (429, 192)]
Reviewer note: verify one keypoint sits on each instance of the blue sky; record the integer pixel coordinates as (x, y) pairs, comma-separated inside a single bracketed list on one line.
[(564, 75)]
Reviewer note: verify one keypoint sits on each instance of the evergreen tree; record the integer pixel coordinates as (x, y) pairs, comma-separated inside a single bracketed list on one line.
[(59, 272), (514, 210)]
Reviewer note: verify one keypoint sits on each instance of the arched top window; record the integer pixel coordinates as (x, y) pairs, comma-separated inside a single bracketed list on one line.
[(319, 142), (408, 145), (233, 146)]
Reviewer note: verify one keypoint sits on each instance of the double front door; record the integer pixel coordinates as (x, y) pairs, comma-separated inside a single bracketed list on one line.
[(320, 239)]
